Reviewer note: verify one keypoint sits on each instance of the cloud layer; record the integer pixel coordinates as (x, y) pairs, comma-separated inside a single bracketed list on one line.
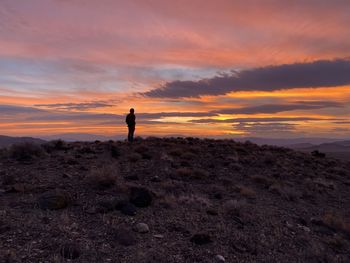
[(321, 73)]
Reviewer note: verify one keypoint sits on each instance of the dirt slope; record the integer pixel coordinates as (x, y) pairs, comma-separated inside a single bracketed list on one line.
[(196, 199)]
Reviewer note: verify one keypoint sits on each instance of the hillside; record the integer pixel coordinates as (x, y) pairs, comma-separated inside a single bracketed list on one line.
[(172, 200), (6, 141)]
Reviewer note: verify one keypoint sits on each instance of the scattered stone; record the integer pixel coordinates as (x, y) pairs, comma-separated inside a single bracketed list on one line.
[(156, 179), (212, 212), (140, 197), (16, 188), (219, 259), (141, 228), (126, 237), (70, 251), (45, 220), (107, 205), (53, 200), (126, 208), (132, 177), (201, 239)]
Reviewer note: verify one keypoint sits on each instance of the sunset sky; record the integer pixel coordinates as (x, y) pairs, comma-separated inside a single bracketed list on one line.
[(212, 68)]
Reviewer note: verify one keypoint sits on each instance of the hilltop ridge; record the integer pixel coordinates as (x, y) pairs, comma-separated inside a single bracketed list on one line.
[(172, 200)]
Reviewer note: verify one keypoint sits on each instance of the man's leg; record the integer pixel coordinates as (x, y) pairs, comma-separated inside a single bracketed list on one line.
[(129, 134), (132, 130)]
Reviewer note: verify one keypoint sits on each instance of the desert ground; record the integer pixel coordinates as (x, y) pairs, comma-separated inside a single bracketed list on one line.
[(172, 200)]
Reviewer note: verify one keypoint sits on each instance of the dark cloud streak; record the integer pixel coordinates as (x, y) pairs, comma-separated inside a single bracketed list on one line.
[(322, 73)]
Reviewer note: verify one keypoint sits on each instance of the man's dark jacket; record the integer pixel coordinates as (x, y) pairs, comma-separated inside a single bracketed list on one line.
[(130, 119)]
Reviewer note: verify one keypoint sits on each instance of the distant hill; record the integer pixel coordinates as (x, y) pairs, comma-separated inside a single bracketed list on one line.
[(339, 149), (83, 137), (6, 141)]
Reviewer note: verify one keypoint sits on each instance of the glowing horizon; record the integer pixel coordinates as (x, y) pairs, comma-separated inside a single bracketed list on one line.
[(200, 68)]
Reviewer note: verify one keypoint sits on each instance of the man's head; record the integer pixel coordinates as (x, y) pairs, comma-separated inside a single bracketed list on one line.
[(132, 110)]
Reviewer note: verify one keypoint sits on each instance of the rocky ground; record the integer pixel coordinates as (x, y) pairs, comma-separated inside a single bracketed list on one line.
[(172, 200)]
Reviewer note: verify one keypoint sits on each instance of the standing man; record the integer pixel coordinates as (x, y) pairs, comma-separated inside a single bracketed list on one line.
[(130, 121)]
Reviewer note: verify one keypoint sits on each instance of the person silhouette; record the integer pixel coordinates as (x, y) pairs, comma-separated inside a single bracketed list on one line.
[(130, 121)]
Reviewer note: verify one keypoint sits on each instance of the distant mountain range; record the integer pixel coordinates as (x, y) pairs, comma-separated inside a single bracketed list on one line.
[(6, 141)]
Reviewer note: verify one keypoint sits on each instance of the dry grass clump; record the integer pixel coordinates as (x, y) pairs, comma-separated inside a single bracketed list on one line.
[(195, 173), (26, 151), (336, 222), (262, 180), (193, 200), (184, 172), (141, 149), (104, 177), (115, 151), (247, 192), (176, 152), (287, 193), (134, 157), (188, 156), (234, 207), (54, 145)]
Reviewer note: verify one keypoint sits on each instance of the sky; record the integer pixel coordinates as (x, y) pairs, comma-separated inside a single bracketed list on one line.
[(223, 68)]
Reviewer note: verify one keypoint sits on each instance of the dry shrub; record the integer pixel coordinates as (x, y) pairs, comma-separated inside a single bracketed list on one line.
[(247, 192), (26, 151), (262, 180), (104, 177), (141, 149), (188, 156), (337, 242), (54, 145), (176, 152), (286, 192), (168, 201), (336, 222), (234, 207), (195, 173), (194, 200), (184, 172), (134, 157)]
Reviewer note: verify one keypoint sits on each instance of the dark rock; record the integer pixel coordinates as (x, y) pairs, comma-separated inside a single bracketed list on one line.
[(53, 200), (132, 177), (141, 228), (125, 237), (128, 209), (140, 197), (155, 179), (70, 251), (212, 212), (201, 239)]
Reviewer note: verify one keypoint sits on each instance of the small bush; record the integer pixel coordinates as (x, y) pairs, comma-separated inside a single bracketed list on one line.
[(115, 151), (134, 157), (247, 192), (26, 151), (262, 180), (188, 156), (176, 152), (336, 222), (103, 178), (184, 172), (55, 145), (234, 207), (141, 149)]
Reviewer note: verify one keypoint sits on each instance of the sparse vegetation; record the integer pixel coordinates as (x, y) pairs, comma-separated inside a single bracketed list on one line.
[(26, 151), (134, 157), (239, 200), (104, 177)]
